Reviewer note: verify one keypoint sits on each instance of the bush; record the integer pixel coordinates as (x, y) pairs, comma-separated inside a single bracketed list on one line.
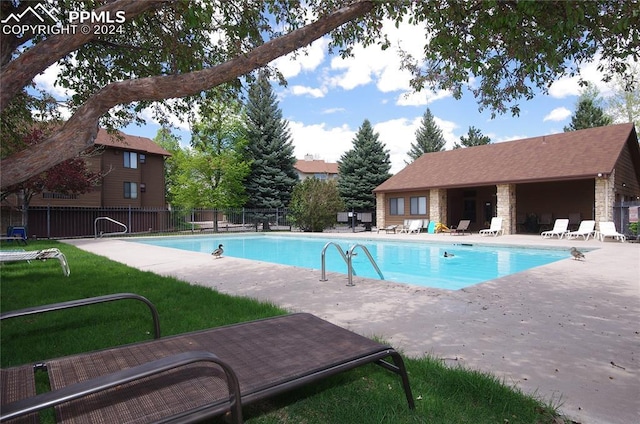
[(315, 204)]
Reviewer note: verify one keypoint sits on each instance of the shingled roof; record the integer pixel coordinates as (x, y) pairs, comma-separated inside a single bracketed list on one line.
[(129, 142), (565, 156), (316, 167)]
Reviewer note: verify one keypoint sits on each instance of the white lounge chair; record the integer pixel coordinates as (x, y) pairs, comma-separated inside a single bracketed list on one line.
[(608, 229), (494, 229), (586, 230), (53, 253), (414, 226), (560, 228)]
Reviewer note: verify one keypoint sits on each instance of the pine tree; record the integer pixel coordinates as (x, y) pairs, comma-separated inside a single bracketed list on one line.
[(428, 137), (270, 150), (589, 113), (474, 138), (362, 169)]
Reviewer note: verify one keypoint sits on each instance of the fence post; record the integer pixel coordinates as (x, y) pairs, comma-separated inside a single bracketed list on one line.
[(48, 221)]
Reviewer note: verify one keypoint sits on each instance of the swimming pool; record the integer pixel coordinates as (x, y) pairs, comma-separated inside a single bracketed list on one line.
[(417, 263)]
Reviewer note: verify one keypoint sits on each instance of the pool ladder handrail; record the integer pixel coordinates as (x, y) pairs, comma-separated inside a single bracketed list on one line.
[(348, 259), (106, 218)]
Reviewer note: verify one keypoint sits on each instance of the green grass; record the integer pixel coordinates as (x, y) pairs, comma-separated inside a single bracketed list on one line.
[(369, 394)]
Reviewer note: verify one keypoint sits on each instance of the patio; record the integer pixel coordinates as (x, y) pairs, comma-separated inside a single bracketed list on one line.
[(567, 332)]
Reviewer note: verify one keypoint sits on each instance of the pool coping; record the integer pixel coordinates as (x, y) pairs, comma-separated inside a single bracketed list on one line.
[(567, 332)]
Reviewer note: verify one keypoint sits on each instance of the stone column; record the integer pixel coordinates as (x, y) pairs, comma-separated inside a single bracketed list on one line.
[(381, 209), (506, 206), (438, 205), (605, 197)]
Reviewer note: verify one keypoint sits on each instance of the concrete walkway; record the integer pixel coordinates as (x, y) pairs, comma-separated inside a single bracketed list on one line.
[(568, 332)]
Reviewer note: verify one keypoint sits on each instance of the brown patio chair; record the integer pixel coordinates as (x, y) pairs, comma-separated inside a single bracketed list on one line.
[(462, 228), (194, 376)]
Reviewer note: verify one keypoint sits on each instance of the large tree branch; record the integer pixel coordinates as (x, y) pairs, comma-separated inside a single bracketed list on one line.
[(80, 130), (21, 71)]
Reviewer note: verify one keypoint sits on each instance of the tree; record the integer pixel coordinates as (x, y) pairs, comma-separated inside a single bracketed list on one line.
[(362, 169), (474, 138), (315, 204), (589, 112), (171, 143), (70, 177), (269, 147), (428, 137), (219, 142), (624, 104), (175, 49)]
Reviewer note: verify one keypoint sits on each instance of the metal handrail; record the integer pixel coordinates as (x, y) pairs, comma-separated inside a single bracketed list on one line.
[(347, 258), (106, 218), (324, 250), (350, 254)]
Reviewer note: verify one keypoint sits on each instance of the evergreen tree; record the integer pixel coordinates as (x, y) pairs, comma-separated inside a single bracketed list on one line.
[(474, 138), (362, 169), (273, 176), (428, 137), (589, 112)]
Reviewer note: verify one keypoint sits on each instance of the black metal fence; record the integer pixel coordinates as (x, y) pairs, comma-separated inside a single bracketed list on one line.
[(70, 222)]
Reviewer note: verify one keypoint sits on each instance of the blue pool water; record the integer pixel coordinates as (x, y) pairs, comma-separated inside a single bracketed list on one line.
[(417, 263)]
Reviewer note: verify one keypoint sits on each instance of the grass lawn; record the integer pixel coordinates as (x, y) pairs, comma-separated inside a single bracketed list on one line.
[(369, 394)]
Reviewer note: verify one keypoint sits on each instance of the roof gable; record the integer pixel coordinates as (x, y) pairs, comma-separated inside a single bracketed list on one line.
[(129, 142), (570, 155)]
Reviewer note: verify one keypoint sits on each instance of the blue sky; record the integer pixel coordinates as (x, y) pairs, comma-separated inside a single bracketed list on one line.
[(327, 99)]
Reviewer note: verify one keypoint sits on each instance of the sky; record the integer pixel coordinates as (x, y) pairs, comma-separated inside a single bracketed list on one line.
[(327, 99)]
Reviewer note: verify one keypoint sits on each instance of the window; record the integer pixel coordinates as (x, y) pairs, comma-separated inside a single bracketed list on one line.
[(396, 206), (418, 205), (130, 160), (143, 158), (130, 190)]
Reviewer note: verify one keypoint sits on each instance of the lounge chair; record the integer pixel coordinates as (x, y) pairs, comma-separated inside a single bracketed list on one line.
[(462, 228), (494, 229), (389, 229), (560, 228), (195, 376), (43, 255), (586, 230), (544, 223), (608, 229), (414, 226)]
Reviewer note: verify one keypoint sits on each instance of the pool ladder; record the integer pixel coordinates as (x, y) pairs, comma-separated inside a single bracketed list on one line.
[(347, 258)]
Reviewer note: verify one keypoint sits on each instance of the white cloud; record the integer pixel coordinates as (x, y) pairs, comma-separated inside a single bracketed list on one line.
[(569, 86), (300, 90), (557, 114), (421, 98), (325, 143), (307, 59)]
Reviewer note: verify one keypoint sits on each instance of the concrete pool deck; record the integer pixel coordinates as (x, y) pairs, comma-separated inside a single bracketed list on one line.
[(567, 332)]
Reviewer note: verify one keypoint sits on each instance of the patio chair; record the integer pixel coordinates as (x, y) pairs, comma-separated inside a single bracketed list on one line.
[(494, 229), (608, 229), (586, 230), (414, 226), (195, 376), (389, 229), (43, 255), (462, 228), (560, 228), (16, 234)]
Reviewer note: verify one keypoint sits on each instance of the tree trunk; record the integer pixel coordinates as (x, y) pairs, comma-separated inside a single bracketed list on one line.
[(80, 130)]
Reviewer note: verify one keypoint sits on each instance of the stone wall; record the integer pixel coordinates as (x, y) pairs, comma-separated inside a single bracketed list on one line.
[(438, 205)]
